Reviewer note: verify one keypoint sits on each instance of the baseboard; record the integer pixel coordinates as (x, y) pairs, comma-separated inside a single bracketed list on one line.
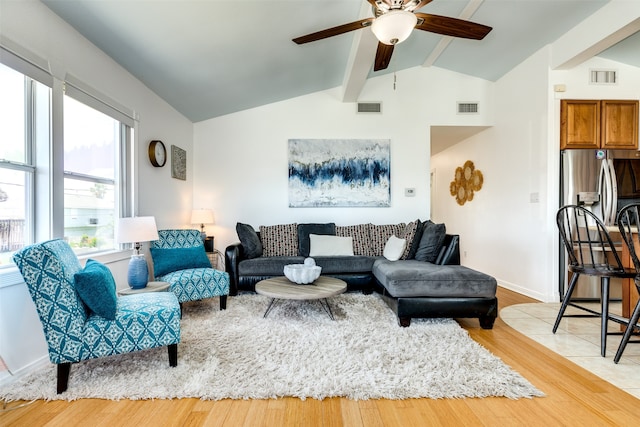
[(24, 371), (527, 292)]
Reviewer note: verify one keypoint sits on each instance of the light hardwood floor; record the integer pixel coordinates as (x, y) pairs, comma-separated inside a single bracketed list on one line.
[(574, 397)]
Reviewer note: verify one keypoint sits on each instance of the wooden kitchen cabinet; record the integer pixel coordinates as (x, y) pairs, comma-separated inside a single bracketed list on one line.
[(579, 124), (619, 124), (606, 124)]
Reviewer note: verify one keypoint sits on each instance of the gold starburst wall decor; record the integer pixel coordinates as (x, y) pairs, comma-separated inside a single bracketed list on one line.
[(467, 180)]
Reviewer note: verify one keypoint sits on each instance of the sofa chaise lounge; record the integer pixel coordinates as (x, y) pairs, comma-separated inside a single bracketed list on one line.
[(422, 279)]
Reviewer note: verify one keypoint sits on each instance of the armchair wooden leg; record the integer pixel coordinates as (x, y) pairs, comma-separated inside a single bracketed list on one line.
[(223, 302), (173, 354), (63, 376)]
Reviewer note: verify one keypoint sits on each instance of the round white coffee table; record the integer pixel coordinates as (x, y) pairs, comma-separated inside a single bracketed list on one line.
[(280, 288)]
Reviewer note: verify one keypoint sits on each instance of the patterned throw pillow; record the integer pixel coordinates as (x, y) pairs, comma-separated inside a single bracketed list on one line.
[(409, 235), (380, 235), (360, 235), (413, 245), (279, 240)]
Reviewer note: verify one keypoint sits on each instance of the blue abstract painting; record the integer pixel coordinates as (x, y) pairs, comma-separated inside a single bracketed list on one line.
[(339, 172)]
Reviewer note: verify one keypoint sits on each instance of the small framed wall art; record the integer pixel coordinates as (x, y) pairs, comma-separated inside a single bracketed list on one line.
[(178, 163)]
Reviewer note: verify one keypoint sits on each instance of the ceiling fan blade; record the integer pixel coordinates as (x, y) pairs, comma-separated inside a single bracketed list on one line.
[(451, 26), (330, 32), (383, 56)]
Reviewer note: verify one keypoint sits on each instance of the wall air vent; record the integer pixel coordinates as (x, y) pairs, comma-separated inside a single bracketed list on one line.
[(603, 77), (467, 108), (369, 107)]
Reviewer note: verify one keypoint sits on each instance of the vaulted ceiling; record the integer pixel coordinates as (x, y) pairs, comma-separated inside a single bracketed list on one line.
[(209, 58)]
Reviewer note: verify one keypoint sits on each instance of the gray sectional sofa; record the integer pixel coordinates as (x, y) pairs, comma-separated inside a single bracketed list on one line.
[(426, 281)]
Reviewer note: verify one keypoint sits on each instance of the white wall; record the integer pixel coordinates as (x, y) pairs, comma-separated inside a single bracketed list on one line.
[(577, 83), (241, 159), (33, 27), (503, 232)]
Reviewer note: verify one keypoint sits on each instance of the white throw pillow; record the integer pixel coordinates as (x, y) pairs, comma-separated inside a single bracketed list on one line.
[(394, 248), (327, 245)]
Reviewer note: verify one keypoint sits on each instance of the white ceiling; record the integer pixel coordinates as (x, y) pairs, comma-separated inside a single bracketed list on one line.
[(209, 58)]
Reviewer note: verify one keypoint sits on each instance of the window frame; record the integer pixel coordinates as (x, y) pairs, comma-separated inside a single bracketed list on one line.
[(120, 175), (31, 135), (44, 214)]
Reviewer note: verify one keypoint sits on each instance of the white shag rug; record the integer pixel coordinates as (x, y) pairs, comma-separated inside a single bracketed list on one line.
[(296, 351)]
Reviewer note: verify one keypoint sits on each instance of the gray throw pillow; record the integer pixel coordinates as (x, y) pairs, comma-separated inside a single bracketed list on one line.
[(250, 241), (431, 241), (304, 245)]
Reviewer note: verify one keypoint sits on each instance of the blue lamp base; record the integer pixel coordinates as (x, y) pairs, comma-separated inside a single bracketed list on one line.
[(138, 274)]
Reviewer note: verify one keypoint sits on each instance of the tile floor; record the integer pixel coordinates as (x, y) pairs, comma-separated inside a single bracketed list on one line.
[(578, 339)]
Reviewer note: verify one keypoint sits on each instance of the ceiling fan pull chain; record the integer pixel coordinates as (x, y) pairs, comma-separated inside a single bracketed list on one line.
[(394, 80)]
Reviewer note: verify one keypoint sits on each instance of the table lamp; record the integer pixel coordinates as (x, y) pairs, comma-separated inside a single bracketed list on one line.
[(136, 230), (202, 217)]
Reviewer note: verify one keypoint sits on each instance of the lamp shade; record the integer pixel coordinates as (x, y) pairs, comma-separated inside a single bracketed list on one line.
[(202, 216), (137, 229), (394, 26)]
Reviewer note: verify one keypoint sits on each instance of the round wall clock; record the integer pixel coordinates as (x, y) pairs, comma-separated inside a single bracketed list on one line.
[(157, 153)]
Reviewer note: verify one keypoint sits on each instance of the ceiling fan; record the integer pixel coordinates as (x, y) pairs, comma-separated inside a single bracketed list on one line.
[(393, 22)]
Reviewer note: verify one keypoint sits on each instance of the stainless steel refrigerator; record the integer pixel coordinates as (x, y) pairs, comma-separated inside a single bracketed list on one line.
[(588, 178)]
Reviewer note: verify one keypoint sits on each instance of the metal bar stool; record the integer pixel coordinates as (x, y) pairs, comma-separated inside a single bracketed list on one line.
[(628, 222), (590, 251)]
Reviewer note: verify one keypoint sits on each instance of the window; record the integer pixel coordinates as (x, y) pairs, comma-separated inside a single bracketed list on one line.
[(24, 119), (91, 147), (65, 160)]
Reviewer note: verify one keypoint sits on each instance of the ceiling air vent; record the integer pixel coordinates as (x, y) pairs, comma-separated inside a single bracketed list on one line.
[(369, 107), (603, 77), (467, 108)]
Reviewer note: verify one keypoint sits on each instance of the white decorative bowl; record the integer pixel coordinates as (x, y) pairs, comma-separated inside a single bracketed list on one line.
[(302, 274)]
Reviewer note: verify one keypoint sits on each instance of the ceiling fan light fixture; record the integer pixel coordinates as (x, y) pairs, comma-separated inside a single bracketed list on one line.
[(394, 27)]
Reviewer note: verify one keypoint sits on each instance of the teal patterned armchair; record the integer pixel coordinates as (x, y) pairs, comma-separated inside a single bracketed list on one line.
[(81, 315), (179, 259)]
